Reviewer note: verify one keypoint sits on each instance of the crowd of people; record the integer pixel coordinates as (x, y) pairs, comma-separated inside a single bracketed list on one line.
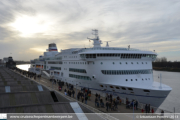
[(27, 73), (85, 94), (112, 103), (131, 104)]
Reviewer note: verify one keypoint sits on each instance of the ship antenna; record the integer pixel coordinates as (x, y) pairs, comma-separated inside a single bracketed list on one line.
[(107, 45), (96, 41)]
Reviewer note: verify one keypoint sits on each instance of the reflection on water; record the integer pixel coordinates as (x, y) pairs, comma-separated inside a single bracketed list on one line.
[(23, 67), (169, 78)]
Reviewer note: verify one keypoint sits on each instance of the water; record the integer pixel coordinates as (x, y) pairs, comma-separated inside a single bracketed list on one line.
[(24, 66), (169, 78)]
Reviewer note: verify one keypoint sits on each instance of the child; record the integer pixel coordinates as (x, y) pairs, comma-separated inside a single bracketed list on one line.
[(142, 110), (152, 110)]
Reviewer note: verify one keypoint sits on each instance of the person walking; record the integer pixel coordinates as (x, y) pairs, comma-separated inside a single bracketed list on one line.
[(86, 98), (152, 110), (146, 108), (149, 108), (73, 92), (136, 105), (96, 101), (35, 77), (107, 105), (82, 98)]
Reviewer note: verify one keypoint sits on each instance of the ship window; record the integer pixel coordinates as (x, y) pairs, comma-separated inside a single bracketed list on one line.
[(136, 79), (146, 62), (126, 63), (101, 85), (130, 89), (123, 88), (137, 62), (113, 62), (142, 79), (101, 63), (131, 79), (126, 79), (117, 87), (131, 62), (142, 62), (146, 90), (111, 86), (120, 63)]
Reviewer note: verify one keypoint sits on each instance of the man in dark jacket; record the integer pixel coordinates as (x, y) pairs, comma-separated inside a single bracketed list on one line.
[(107, 105), (73, 92)]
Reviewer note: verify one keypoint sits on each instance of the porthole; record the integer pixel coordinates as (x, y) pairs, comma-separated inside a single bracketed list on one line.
[(146, 90), (137, 63), (142, 79), (126, 63), (142, 62), (117, 88), (130, 89), (120, 63), (146, 62), (131, 62), (101, 63), (131, 79), (126, 79), (136, 79), (123, 88), (101, 85), (111, 86), (113, 63)]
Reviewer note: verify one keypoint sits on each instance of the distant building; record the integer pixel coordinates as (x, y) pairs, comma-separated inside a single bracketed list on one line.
[(5, 59), (10, 63)]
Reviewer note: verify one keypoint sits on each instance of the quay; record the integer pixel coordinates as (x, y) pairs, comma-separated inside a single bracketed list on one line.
[(19, 94), (63, 100)]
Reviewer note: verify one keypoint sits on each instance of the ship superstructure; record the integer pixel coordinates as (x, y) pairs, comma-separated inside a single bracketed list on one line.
[(126, 72)]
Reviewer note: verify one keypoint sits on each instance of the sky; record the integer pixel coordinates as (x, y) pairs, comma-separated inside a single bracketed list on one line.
[(28, 26)]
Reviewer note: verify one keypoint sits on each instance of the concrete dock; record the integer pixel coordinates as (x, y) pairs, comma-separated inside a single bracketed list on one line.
[(24, 96), (19, 94)]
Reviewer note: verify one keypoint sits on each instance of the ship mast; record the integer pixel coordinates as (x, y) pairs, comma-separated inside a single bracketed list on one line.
[(96, 41)]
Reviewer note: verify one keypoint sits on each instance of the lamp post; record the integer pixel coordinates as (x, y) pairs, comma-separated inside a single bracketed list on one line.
[(76, 91), (133, 110)]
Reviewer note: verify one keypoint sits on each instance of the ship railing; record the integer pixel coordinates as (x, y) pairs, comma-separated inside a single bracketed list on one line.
[(111, 48)]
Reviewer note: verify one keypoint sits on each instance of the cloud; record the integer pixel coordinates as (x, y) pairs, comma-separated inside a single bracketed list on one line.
[(149, 24)]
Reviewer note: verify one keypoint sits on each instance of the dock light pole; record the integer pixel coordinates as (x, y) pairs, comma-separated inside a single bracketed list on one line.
[(52, 83), (133, 110), (76, 91)]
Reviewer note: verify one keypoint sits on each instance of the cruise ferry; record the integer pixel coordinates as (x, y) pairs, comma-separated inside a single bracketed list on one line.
[(123, 72)]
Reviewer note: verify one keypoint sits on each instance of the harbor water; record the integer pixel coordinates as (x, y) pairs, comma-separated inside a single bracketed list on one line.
[(171, 79)]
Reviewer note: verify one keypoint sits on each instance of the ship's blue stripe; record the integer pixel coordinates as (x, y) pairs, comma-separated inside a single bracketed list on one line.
[(125, 93)]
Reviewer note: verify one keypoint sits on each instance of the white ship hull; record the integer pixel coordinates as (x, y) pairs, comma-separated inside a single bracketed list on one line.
[(123, 72)]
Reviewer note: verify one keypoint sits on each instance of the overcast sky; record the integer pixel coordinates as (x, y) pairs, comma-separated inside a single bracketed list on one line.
[(28, 26)]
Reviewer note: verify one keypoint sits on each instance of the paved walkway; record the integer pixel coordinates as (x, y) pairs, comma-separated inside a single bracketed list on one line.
[(121, 108)]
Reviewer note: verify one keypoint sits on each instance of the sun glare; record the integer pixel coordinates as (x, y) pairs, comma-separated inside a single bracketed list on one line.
[(28, 25)]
